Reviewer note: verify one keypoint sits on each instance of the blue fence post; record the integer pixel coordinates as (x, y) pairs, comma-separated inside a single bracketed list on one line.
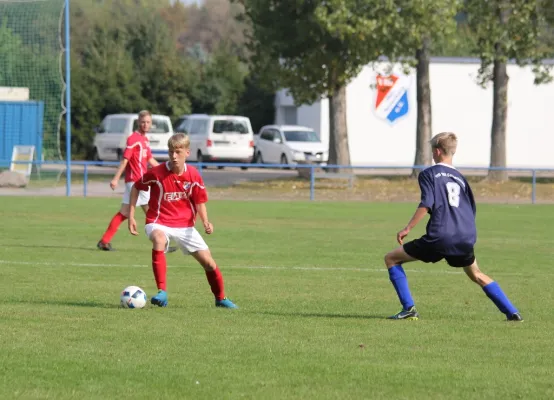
[(85, 180), (312, 183), (534, 188)]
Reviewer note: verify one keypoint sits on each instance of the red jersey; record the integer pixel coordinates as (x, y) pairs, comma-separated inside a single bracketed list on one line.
[(138, 153), (173, 198)]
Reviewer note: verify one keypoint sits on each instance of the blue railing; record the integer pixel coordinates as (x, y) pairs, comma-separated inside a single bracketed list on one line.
[(313, 167)]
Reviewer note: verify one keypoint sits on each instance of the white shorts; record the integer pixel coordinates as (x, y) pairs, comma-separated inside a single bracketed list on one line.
[(142, 199), (188, 239)]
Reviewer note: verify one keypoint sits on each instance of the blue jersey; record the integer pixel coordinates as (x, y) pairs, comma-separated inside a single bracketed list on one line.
[(446, 194)]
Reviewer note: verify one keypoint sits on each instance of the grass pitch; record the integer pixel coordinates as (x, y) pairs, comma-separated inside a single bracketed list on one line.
[(313, 294)]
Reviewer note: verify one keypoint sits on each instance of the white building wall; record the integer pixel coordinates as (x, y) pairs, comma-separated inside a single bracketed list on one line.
[(459, 105)]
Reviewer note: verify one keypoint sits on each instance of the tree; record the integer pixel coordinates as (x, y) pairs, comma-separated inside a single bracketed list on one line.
[(214, 24), (221, 83), (422, 27), (507, 30), (315, 49)]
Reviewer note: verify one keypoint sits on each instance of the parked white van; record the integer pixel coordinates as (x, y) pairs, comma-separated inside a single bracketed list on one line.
[(111, 136), (219, 138)]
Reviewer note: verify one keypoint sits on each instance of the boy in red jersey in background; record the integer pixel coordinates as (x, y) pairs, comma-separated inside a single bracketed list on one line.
[(177, 195), (135, 162)]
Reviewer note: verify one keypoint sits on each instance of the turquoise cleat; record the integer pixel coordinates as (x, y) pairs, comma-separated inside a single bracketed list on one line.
[(225, 303), (160, 299)]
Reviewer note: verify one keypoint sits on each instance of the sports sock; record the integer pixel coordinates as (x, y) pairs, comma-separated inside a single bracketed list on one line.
[(400, 283), (495, 293), (215, 279), (159, 267), (112, 227)]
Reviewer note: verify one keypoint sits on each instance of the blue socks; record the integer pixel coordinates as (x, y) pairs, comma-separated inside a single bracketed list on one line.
[(492, 290), (400, 283), (495, 293)]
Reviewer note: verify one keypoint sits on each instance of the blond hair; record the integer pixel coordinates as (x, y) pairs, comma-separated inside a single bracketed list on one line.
[(144, 113), (446, 142), (178, 141)]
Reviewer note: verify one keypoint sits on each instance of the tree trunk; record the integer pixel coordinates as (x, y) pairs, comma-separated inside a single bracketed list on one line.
[(499, 118), (339, 152), (424, 116), (499, 102)]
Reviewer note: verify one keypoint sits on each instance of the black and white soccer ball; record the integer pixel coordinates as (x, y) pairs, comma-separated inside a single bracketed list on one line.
[(133, 297)]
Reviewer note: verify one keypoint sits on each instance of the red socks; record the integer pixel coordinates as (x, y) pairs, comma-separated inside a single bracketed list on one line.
[(112, 228), (159, 266), (215, 279)]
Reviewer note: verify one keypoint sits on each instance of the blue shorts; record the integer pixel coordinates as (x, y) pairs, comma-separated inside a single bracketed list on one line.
[(424, 251)]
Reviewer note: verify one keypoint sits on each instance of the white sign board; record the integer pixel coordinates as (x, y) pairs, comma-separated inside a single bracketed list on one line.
[(23, 153), (14, 93)]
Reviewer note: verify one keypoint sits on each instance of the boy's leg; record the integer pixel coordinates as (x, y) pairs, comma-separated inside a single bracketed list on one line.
[(493, 292), (159, 265), (394, 261), (214, 276), (144, 207), (116, 221)]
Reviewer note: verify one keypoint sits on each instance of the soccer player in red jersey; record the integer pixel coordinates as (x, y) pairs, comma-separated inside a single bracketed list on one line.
[(136, 157), (177, 196)]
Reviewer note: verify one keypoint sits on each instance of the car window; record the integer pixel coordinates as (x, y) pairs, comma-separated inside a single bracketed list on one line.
[(301, 136), (102, 126), (182, 125), (159, 125), (231, 125), (117, 125), (198, 127), (185, 126), (277, 135), (178, 122), (267, 135)]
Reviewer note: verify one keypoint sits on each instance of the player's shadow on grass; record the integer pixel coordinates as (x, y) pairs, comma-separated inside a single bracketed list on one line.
[(56, 247), (67, 303), (322, 315)]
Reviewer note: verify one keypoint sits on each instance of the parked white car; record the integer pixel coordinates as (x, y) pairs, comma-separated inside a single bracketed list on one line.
[(111, 136), (218, 138), (289, 144)]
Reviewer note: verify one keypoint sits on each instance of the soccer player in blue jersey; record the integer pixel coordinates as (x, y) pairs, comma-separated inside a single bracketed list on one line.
[(451, 232)]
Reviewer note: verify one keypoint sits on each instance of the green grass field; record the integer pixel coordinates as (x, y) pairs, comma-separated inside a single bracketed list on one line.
[(313, 292)]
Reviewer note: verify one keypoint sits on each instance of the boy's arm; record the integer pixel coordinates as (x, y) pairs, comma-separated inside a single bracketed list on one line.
[(132, 207), (117, 176), (203, 214), (418, 216)]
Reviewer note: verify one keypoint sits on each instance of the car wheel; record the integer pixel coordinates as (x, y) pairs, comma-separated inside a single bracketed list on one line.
[(200, 158), (119, 155), (259, 158), (284, 160), (220, 167), (96, 156), (244, 168)]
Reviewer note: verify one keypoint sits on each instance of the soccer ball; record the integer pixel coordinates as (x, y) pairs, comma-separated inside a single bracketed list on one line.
[(133, 297)]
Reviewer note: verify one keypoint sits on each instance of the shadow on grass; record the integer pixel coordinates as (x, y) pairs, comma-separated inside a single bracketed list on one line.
[(65, 303), (321, 315), (62, 247)]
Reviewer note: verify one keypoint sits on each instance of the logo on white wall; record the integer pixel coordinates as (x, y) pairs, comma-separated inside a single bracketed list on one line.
[(391, 97)]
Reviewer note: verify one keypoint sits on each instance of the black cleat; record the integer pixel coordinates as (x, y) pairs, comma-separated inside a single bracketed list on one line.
[(104, 246), (410, 314), (515, 317)]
